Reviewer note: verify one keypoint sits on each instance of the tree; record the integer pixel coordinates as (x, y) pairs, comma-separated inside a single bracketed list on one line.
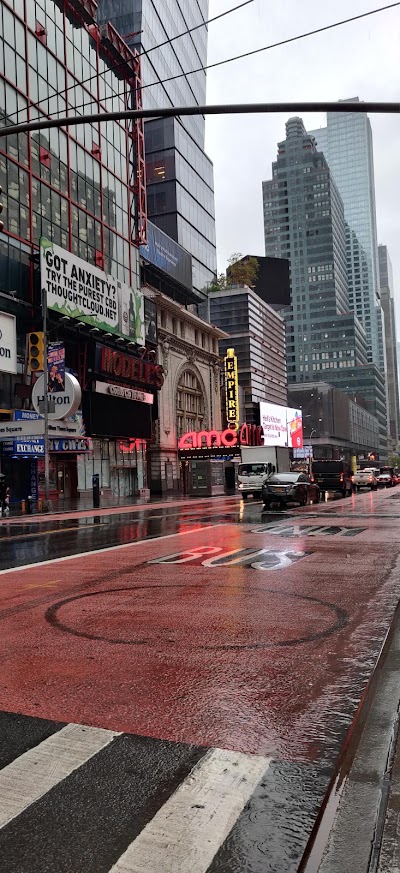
[(219, 283), (241, 271)]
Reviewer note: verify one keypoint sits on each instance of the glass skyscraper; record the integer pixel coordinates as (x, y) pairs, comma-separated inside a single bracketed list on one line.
[(347, 145), (387, 301), (180, 185), (304, 221)]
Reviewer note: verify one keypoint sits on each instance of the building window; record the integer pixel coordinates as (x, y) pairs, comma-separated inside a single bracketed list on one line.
[(190, 404)]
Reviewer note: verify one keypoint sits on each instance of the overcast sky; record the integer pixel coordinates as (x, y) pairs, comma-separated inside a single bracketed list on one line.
[(358, 59)]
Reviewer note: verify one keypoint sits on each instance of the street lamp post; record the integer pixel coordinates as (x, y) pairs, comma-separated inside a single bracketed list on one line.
[(310, 457), (45, 405)]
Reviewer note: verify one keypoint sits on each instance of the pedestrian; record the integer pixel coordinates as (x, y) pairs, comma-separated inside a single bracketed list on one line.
[(4, 496)]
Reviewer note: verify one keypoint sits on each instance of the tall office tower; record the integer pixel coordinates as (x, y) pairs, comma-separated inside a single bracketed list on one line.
[(347, 145), (180, 182), (387, 301), (304, 222)]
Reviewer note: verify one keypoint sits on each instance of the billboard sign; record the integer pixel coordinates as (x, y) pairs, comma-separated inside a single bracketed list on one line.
[(282, 425), (77, 289), (55, 367), (8, 343), (295, 428), (167, 255)]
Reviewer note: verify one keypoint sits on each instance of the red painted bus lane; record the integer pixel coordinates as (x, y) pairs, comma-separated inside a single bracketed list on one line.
[(222, 637)]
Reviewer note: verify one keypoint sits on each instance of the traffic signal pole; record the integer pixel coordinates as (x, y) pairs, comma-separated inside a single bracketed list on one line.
[(45, 404)]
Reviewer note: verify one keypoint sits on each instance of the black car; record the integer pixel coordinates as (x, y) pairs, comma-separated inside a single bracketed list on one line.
[(289, 488)]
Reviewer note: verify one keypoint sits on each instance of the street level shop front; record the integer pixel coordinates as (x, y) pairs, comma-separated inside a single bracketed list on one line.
[(209, 459)]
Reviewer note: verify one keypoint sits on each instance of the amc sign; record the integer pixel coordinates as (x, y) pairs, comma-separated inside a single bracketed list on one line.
[(248, 435)]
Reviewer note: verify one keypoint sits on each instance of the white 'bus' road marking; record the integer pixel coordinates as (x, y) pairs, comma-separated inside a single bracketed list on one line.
[(186, 833), (180, 533), (38, 770)]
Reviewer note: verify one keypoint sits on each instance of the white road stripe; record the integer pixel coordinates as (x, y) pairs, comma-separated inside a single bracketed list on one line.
[(35, 772), (180, 533), (186, 833)]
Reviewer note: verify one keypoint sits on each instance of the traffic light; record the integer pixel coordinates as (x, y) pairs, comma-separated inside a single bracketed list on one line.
[(1, 210), (36, 351)]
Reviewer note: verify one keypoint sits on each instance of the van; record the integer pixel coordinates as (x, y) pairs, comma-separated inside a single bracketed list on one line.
[(333, 476)]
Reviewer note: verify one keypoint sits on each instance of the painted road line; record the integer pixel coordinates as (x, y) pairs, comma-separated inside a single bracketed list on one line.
[(22, 732), (189, 829), (41, 768), (87, 821), (180, 533)]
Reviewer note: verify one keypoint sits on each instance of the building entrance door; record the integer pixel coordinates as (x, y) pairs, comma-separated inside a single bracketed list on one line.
[(67, 478)]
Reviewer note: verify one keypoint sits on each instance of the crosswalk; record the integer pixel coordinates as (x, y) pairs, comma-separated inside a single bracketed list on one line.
[(77, 798), (80, 799)]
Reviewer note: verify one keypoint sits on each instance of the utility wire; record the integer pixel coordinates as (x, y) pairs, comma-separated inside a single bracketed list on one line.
[(249, 53), (112, 69)]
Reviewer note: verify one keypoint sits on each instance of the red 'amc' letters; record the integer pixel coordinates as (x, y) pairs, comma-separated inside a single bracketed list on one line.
[(248, 435)]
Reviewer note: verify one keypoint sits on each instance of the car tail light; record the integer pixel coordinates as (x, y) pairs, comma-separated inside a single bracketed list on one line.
[(341, 477), (352, 478)]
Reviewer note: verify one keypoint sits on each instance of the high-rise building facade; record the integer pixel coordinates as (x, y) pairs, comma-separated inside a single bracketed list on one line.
[(68, 199), (347, 145), (304, 222), (387, 302), (257, 334), (180, 186)]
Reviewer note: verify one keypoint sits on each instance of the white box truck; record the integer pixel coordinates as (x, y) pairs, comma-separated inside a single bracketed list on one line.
[(257, 463)]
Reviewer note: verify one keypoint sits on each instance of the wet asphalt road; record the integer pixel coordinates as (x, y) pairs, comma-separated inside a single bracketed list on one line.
[(219, 660), (24, 542), (40, 540)]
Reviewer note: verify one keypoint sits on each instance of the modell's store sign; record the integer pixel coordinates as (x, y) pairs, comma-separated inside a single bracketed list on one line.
[(119, 366), (8, 343), (217, 444)]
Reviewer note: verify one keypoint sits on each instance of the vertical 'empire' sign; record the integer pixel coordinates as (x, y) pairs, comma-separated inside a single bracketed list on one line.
[(232, 389)]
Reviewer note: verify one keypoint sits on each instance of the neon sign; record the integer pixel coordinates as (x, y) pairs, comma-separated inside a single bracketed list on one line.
[(232, 388), (248, 435)]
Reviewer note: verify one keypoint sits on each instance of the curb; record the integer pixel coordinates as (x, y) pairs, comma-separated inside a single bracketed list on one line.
[(319, 836)]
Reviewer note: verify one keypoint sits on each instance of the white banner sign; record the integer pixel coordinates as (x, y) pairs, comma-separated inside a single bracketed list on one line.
[(8, 343), (124, 393), (80, 290), (282, 425)]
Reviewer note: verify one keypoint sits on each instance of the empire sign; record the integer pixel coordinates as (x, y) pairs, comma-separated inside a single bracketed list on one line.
[(231, 388)]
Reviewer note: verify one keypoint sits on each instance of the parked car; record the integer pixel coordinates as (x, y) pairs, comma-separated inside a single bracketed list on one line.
[(365, 479), (287, 488), (385, 480), (333, 476)]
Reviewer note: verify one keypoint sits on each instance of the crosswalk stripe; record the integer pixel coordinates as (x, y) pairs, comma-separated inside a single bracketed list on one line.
[(35, 772), (186, 833)]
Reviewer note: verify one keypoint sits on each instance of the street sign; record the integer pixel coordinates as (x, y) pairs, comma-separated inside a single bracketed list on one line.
[(12, 429)]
